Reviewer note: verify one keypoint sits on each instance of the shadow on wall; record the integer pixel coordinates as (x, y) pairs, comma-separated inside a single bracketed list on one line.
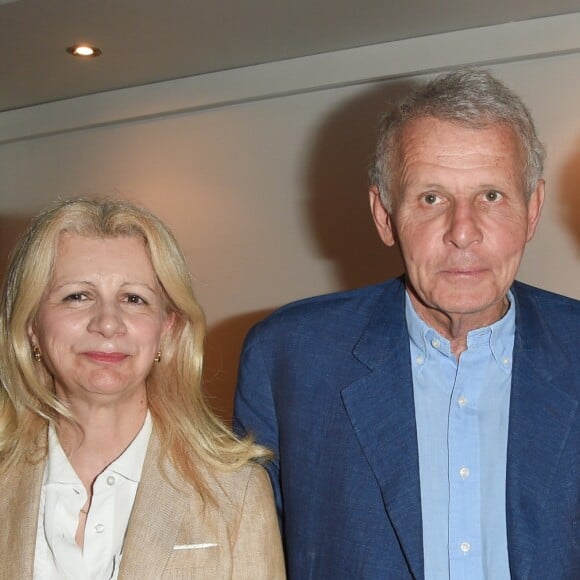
[(337, 211), (11, 228), (223, 346), (337, 205), (570, 195)]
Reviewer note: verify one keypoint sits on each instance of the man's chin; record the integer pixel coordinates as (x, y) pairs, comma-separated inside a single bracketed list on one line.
[(471, 304)]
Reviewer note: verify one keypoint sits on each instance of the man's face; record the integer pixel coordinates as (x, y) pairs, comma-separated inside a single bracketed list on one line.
[(460, 217)]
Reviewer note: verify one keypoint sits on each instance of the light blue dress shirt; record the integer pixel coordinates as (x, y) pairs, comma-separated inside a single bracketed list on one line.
[(462, 413)]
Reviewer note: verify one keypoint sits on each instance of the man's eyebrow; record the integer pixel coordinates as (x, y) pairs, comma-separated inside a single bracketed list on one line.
[(420, 184)]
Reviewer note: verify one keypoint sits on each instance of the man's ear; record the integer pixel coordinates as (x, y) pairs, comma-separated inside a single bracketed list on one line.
[(535, 204), (382, 217)]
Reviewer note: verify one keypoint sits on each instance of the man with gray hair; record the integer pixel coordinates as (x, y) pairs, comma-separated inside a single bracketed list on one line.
[(428, 427)]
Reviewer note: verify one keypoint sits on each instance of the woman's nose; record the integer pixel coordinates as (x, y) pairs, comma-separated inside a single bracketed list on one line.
[(107, 319)]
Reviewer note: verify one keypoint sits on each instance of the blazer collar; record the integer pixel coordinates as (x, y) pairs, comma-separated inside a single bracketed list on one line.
[(387, 327), (381, 409), (542, 411)]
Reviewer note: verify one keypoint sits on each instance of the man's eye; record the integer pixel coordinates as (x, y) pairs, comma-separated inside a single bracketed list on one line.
[(492, 195), (431, 198)]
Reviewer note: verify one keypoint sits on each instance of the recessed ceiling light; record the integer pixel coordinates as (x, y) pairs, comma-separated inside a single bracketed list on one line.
[(84, 50)]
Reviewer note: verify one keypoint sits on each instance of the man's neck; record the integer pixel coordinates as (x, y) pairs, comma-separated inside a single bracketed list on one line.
[(455, 326)]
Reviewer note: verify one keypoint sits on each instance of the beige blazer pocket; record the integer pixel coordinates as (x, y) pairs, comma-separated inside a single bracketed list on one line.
[(192, 560)]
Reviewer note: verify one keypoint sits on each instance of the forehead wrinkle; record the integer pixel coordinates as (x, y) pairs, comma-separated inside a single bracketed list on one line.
[(94, 285), (481, 158), (423, 134)]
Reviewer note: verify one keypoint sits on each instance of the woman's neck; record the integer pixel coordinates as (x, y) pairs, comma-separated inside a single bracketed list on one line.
[(101, 435)]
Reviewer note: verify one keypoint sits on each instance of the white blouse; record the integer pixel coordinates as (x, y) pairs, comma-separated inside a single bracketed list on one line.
[(57, 556)]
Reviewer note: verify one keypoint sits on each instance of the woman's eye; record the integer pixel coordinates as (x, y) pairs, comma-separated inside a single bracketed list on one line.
[(492, 195), (75, 297), (135, 299)]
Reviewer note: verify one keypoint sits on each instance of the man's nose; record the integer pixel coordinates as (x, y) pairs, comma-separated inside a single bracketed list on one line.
[(463, 227), (107, 319)]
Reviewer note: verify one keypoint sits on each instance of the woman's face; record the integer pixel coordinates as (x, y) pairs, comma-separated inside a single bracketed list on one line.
[(101, 319)]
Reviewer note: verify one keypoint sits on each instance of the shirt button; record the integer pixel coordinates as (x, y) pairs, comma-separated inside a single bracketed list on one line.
[(465, 547), (462, 401), (99, 528), (506, 360), (464, 472), (419, 360), (435, 343), (110, 480)]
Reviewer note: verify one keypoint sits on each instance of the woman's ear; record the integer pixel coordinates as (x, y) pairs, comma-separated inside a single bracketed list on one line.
[(168, 323), (31, 334)]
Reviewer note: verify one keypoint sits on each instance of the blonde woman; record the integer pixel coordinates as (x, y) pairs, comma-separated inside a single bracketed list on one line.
[(111, 463)]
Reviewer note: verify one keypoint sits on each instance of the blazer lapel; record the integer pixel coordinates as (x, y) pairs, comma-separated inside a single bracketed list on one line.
[(541, 417), (382, 412), (156, 519), (19, 505)]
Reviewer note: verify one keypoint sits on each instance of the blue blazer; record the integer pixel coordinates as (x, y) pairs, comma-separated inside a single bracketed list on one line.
[(326, 383)]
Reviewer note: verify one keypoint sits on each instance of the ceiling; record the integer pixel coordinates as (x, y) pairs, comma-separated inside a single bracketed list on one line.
[(146, 41)]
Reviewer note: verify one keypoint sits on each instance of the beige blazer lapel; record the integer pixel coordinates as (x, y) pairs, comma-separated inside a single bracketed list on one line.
[(19, 505), (157, 518)]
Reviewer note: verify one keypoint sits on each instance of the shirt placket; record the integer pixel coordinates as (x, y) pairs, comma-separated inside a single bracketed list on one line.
[(99, 529), (465, 468)]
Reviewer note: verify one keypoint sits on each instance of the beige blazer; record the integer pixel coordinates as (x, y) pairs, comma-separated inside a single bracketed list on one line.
[(242, 525)]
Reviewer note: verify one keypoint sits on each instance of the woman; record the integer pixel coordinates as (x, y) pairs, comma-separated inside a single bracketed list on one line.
[(111, 463)]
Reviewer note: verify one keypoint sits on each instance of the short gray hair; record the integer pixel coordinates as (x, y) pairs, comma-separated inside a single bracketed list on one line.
[(469, 97)]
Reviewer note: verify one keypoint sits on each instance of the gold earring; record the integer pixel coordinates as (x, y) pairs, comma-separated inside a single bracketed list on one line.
[(36, 353), (157, 357)]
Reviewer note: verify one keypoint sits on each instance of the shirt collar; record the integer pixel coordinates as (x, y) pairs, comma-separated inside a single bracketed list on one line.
[(128, 465), (499, 336)]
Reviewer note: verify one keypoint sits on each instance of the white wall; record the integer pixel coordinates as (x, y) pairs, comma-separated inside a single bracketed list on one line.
[(261, 172)]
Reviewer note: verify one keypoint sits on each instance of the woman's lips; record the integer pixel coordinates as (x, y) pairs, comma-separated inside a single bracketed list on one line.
[(106, 357)]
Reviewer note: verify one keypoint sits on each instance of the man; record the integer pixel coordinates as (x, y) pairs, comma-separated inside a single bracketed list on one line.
[(429, 427)]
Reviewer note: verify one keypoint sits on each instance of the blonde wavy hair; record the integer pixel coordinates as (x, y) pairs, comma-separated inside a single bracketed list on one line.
[(189, 431)]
